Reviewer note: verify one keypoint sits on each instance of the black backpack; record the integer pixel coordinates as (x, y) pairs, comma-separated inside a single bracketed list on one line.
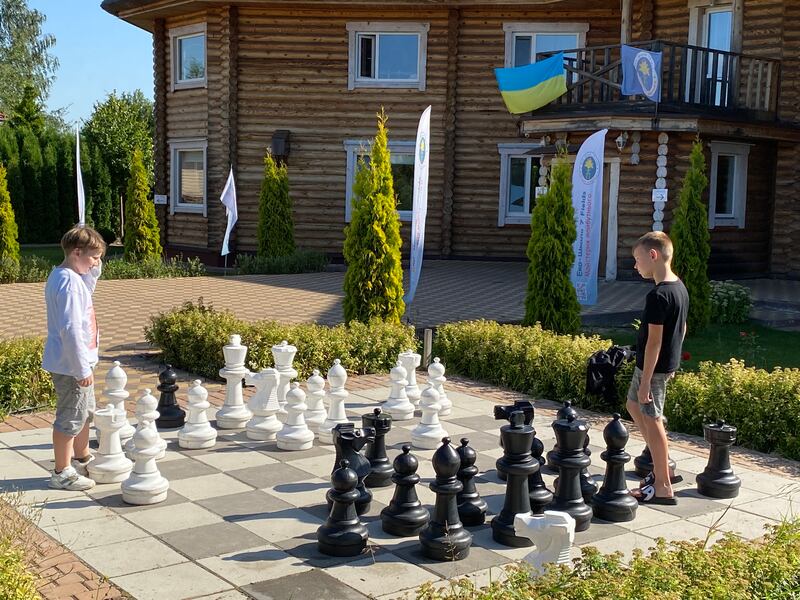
[(602, 369)]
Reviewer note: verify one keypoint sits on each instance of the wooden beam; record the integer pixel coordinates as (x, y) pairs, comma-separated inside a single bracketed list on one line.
[(737, 26), (449, 120), (626, 22)]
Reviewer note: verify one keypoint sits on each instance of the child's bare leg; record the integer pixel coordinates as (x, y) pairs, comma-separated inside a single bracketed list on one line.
[(659, 448), (62, 448), (638, 418), (80, 445)]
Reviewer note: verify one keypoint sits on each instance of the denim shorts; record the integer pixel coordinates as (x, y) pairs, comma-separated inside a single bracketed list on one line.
[(75, 405), (658, 389)]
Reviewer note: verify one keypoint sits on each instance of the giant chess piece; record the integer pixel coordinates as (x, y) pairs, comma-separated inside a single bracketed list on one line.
[(146, 415), (471, 507), (110, 464), (197, 432), (295, 434), (563, 413), (643, 464), (437, 379), (570, 460), (718, 479), (398, 404), (588, 486), (171, 415), (337, 376), (283, 354), (233, 414), (343, 534), (348, 441), (145, 485), (614, 502), (410, 361), (445, 538), (504, 412), (264, 425), (115, 394), (315, 400), (538, 493), (429, 432), (405, 516), (552, 533), (380, 471), (518, 465)]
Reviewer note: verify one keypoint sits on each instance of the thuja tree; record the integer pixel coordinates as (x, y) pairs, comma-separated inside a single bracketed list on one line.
[(9, 245), (275, 223), (551, 298), (373, 284), (690, 239), (31, 163), (142, 237)]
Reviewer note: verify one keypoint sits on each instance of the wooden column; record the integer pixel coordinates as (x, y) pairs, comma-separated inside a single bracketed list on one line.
[(160, 73), (626, 21), (737, 26), (449, 120)]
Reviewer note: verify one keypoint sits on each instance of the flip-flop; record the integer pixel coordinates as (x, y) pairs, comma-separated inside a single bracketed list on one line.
[(648, 496), (650, 479)]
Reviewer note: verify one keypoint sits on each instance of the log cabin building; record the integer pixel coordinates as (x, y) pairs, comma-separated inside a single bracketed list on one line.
[(307, 78)]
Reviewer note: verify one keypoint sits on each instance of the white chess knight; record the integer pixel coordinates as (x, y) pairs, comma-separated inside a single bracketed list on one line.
[(337, 376), (552, 533), (315, 402), (263, 404), (146, 415), (295, 434), (437, 379), (145, 485), (233, 414), (197, 432), (283, 355), (110, 465), (411, 360), (115, 394), (398, 404), (429, 433)]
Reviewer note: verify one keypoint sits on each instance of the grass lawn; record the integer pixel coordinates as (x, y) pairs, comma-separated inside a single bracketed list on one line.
[(760, 346), (54, 255)]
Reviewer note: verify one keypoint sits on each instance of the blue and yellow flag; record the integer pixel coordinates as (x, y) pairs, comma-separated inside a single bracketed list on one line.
[(530, 87)]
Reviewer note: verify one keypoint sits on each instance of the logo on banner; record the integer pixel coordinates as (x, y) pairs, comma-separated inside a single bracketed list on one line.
[(646, 73), (589, 168), (422, 149)]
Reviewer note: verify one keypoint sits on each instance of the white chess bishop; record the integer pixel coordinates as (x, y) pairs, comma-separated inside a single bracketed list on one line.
[(410, 361), (115, 394), (552, 533), (110, 465), (233, 414), (437, 379), (283, 355), (337, 376), (295, 434), (429, 433), (263, 404), (145, 485), (398, 405), (197, 432), (315, 401), (146, 415)]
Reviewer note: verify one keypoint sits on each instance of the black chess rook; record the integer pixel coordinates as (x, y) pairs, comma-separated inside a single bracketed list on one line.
[(343, 534), (380, 471), (718, 479), (405, 516), (614, 502)]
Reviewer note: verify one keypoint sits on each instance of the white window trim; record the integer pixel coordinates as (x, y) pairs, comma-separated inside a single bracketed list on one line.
[(741, 153), (355, 28), (512, 29), (174, 204), (174, 36), (507, 150), (354, 149)]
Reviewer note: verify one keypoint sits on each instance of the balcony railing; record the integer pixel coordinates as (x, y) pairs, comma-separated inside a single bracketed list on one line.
[(693, 80)]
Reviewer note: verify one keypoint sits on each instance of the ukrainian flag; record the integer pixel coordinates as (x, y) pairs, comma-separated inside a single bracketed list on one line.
[(530, 87)]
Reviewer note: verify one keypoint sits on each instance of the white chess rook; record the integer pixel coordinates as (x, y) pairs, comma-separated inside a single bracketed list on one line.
[(437, 379), (115, 394), (551, 533), (398, 404), (233, 414), (337, 376), (197, 432), (315, 401), (283, 355), (429, 433), (146, 415), (145, 485), (110, 464), (263, 404), (411, 360), (295, 434)]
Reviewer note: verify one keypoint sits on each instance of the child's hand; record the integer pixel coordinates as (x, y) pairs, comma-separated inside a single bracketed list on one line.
[(86, 382), (644, 396)]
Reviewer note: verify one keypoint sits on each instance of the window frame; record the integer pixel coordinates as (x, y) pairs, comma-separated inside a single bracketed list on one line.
[(354, 150), (356, 29), (512, 30), (740, 153), (175, 205), (507, 152), (175, 36)]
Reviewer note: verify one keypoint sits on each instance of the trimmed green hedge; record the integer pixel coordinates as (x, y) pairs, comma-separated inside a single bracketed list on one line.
[(23, 382), (301, 261)]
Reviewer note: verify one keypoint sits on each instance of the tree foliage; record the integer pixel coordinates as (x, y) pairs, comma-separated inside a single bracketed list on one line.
[(104, 213), (67, 188), (48, 219), (275, 222), (142, 236), (29, 111), (9, 243), (9, 155), (31, 163)]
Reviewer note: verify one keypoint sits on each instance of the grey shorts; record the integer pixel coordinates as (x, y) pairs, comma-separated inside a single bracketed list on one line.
[(75, 405), (658, 389)]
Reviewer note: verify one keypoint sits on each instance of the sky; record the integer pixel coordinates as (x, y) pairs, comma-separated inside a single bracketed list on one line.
[(97, 52)]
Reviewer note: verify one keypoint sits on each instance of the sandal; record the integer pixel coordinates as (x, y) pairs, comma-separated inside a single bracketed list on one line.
[(647, 495), (651, 479)]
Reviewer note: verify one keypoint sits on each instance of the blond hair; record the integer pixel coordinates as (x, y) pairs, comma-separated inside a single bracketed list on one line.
[(658, 241), (82, 238)]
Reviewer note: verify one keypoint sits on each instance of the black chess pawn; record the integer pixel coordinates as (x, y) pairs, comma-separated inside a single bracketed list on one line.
[(563, 413), (380, 472), (614, 502), (570, 460), (718, 479), (343, 534), (518, 464), (538, 493), (348, 441), (471, 507), (588, 486), (405, 515), (170, 414), (445, 538)]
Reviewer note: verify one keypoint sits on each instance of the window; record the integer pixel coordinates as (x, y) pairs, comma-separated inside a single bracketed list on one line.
[(519, 178), (188, 49), (402, 157), (728, 184), (525, 40), (710, 26), (188, 176), (387, 54)]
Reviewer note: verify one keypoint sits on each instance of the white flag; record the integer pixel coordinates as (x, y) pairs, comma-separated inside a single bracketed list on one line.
[(228, 198), (79, 178), (421, 166)]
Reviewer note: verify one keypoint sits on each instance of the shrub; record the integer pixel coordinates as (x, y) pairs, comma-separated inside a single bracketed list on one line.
[(28, 269), (23, 382), (152, 268), (730, 302), (302, 261), (142, 237), (108, 235), (275, 223), (17, 582), (9, 244)]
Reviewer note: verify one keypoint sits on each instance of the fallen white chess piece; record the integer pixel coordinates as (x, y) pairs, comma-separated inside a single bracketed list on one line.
[(551, 533)]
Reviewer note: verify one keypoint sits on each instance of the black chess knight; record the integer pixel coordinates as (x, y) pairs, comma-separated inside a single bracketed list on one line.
[(348, 441)]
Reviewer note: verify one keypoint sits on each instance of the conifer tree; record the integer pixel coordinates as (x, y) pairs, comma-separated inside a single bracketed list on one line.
[(102, 196), (49, 216), (9, 243), (373, 284), (9, 155), (551, 298), (30, 162), (67, 188), (690, 239), (142, 235), (275, 222)]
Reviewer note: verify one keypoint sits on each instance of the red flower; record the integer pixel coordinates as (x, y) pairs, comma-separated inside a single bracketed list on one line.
[(686, 356), (743, 334)]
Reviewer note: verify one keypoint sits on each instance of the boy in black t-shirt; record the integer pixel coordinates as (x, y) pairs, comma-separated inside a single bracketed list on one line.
[(658, 356)]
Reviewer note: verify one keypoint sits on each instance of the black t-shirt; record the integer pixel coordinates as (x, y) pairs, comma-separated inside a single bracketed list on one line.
[(666, 304)]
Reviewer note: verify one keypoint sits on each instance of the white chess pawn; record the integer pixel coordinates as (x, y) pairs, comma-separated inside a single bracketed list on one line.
[(337, 376), (197, 432), (411, 360), (110, 464), (551, 533), (283, 355), (146, 415), (145, 485), (115, 394), (398, 405), (233, 414), (436, 378), (429, 433), (316, 412), (295, 434), (263, 404)]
